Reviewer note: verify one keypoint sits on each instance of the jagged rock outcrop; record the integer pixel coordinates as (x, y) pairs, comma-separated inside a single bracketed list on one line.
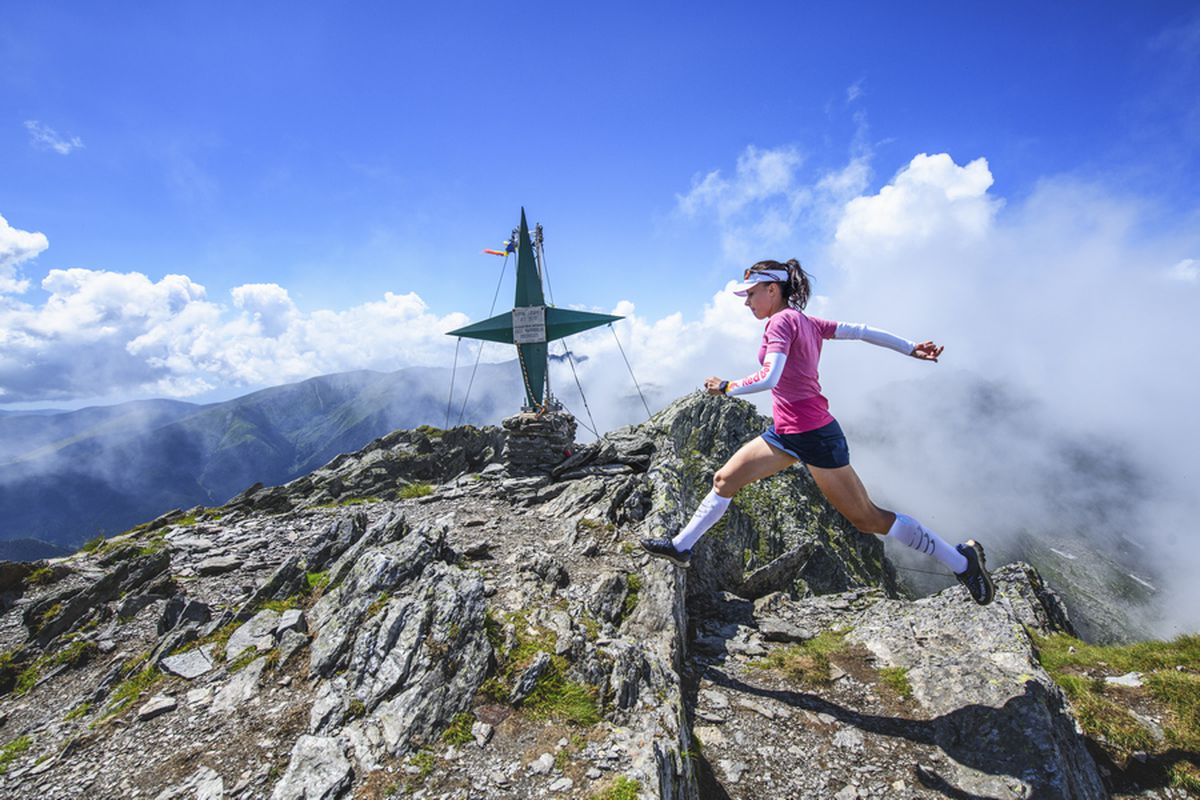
[(382, 469), (498, 634), (783, 517)]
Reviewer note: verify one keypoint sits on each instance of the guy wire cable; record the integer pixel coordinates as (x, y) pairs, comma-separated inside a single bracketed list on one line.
[(479, 353), (453, 372), (577, 419), (586, 407), (630, 368)]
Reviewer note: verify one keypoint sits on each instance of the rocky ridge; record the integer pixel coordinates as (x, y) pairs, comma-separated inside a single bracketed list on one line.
[(424, 619)]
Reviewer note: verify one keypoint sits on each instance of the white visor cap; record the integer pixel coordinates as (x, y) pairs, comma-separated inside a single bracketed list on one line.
[(766, 276)]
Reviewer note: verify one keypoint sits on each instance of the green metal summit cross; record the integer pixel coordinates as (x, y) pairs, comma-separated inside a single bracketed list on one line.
[(532, 325)]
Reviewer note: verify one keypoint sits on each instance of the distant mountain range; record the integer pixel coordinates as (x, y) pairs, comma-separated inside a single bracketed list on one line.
[(67, 477)]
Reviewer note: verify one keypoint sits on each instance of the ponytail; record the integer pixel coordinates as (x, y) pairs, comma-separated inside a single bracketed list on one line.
[(797, 288)]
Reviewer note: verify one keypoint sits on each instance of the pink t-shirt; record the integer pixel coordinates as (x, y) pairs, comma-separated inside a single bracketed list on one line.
[(796, 400)]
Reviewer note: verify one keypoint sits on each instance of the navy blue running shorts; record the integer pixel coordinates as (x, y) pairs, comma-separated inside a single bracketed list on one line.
[(824, 447)]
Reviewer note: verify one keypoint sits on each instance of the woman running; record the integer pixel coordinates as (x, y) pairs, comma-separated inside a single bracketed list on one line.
[(803, 429)]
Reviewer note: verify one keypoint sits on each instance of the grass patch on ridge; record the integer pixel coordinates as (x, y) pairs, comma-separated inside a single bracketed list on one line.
[(414, 490), (633, 587), (459, 730), (280, 606), (378, 604), (896, 679), (42, 576), (1170, 693), (806, 663), (316, 581), (93, 544), (81, 710), (10, 751), (130, 690), (75, 653), (555, 696), (622, 788)]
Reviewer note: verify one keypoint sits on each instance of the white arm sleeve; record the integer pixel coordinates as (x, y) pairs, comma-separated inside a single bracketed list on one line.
[(761, 381), (853, 330)]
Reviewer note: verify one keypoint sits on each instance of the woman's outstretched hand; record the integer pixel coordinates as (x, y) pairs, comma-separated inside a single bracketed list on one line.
[(712, 385), (927, 351)]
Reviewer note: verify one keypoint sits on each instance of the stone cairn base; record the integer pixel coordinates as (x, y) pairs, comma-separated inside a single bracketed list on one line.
[(536, 443)]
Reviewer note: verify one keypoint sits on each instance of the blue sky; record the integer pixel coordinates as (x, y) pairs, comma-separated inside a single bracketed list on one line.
[(341, 152)]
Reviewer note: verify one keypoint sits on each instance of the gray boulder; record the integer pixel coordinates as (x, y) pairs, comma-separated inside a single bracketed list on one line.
[(218, 565), (405, 630), (190, 664), (607, 600), (241, 688), (258, 632), (973, 670), (291, 620), (156, 707), (318, 770)]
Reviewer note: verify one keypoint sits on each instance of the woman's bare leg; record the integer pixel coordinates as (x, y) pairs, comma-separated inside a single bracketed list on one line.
[(753, 461), (845, 492)]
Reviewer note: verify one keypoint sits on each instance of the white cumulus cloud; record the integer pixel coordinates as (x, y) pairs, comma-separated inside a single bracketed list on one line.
[(266, 305), (101, 333), (932, 198), (16, 247)]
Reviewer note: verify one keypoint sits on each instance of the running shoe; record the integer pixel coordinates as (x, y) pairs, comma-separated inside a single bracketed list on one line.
[(975, 577), (663, 548)]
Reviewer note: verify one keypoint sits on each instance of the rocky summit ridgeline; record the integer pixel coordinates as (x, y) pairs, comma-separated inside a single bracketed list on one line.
[(440, 615)]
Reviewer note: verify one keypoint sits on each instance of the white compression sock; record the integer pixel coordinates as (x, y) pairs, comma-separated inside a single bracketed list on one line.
[(710, 510), (908, 531)]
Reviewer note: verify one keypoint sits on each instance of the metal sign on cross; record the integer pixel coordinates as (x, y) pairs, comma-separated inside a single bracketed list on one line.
[(532, 325)]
